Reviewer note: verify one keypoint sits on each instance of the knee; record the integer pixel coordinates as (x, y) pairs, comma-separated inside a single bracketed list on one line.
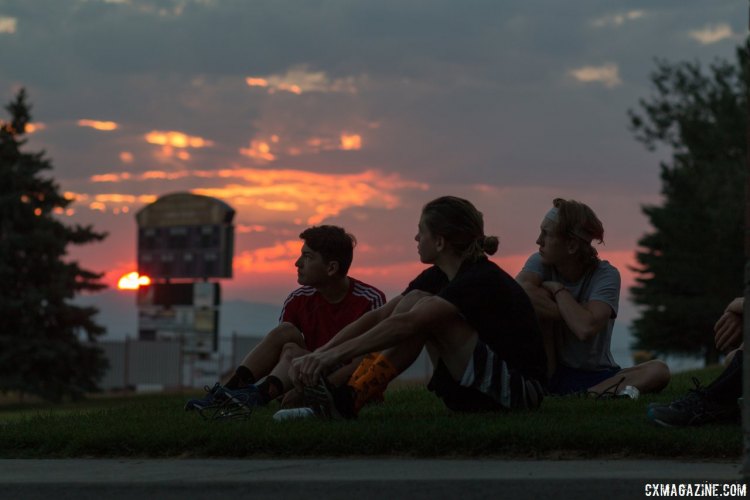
[(291, 350), (659, 373), (730, 356), (285, 333), (410, 300)]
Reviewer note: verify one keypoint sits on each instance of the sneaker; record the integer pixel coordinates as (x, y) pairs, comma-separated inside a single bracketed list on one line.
[(615, 392), (238, 403), (695, 408), (329, 402), (213, 399), (293, 414)]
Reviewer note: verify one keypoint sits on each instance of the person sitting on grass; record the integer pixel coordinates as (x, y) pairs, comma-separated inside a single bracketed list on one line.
[(311, 315), (476, 322), (717, 402), (575, 295)]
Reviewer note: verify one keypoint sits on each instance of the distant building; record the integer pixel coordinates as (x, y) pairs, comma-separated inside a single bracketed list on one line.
[(184, 240), (185, 235)]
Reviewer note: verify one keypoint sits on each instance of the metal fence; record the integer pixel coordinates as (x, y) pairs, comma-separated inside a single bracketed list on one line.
[(155, 365)]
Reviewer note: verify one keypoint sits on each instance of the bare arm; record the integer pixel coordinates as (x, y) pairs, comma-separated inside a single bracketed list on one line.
[(362, 324), (584, 320), (541, 298), (391, 331)]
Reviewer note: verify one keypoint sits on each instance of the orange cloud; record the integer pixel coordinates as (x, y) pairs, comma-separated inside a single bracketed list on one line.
[(351, 142), (256, 82), (344, 141), (272, 195), (279, 258), (98, 125), (126, 157), (258, 150), (306, 195), (176, 139), (110, 177), (299, 79), (289, 87), (252, 228), (161, 174), (118, 203)]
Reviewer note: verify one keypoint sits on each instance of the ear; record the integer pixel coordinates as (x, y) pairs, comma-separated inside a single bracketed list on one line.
[(573, 245), (439, 243), (333, 268)]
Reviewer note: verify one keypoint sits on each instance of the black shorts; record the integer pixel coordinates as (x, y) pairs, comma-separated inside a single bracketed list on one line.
[(492, 386)]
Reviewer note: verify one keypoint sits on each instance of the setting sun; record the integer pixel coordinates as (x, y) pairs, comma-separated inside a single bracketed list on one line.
[(132, 281)]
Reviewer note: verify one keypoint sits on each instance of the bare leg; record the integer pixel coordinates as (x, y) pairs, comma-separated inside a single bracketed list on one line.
[(267, 353), (453, 343), (731, 354), (289, 352), (401, 356), (651, 376)]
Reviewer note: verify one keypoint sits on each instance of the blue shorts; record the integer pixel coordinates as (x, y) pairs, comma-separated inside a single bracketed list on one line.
[(568, 380)]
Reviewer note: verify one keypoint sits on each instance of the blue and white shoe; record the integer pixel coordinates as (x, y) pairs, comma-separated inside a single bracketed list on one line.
[(238, 403), (213, 399)]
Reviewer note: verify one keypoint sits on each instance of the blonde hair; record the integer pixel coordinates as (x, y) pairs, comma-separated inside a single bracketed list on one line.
[(577, 220)]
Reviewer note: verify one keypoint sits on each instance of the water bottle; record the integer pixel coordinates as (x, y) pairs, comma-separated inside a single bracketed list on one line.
[(630, 391), (293, 414)]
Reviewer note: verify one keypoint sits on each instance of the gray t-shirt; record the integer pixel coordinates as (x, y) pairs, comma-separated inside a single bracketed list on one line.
[(602, 285)]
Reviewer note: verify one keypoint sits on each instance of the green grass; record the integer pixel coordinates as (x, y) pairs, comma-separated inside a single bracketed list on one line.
[(412, 422)]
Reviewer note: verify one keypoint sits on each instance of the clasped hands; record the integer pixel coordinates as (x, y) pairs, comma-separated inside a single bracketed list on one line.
[(307, 370), (552, 287)]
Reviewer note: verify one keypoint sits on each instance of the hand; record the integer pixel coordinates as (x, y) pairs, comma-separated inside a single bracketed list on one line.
[(552, 286), (728, 331), (307, 370), (736, 306)]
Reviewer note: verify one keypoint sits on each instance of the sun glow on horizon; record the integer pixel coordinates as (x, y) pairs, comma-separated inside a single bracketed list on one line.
[(133, 281)]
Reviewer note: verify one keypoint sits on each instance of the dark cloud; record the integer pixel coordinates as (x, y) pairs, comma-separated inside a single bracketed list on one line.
[(447, 93)]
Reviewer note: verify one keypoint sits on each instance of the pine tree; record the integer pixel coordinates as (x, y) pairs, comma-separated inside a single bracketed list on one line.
[(692, 264), (45, 341)]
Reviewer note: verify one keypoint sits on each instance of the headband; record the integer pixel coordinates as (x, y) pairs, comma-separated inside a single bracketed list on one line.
[(552, 214)]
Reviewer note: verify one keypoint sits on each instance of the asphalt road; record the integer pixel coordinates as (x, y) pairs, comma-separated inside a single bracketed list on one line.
[(359, 479)]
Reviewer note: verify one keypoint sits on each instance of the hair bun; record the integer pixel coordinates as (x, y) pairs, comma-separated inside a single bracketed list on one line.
[(490, 244)]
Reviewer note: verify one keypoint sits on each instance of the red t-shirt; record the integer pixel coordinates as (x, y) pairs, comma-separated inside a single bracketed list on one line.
[(319, 320)]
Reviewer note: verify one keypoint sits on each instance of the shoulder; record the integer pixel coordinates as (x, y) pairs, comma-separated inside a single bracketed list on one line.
[(369, 292), (482, 273), (606, 271), (483, 268), (534, 264), (430, 280), (301, 293)]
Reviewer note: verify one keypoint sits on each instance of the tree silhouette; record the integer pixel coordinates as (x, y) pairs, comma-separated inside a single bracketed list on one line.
[(692, 264), (45, 341)]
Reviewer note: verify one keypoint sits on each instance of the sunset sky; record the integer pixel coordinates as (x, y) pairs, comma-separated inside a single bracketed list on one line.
[(353, 113)]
